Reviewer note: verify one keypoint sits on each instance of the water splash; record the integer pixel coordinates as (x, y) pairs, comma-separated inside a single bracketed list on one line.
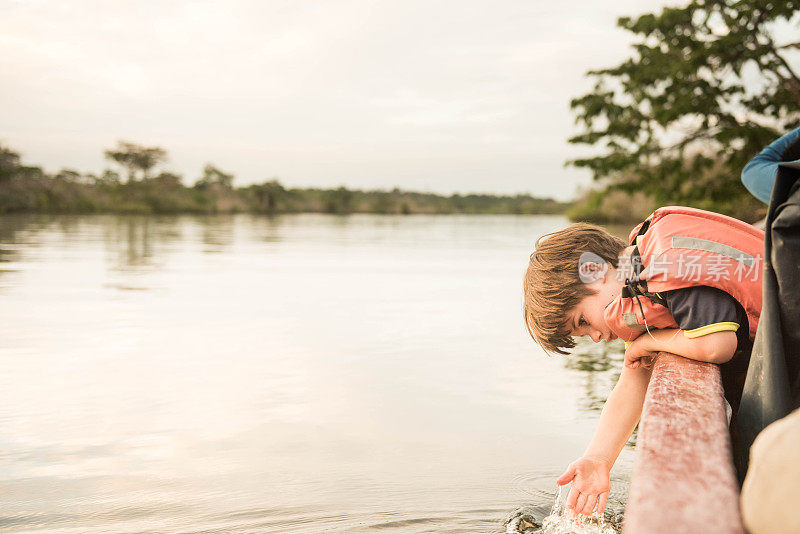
[(559, 521)]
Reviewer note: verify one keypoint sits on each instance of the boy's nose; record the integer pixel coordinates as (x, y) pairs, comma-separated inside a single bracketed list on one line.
[(596, 336)]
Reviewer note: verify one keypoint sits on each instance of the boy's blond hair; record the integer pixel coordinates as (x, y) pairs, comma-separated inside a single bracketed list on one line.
[(552, 286)]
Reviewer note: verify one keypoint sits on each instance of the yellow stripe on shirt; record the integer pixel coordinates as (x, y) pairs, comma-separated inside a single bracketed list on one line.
[(711, 328)]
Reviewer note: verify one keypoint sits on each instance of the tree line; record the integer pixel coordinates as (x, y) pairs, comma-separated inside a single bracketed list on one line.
[(138, 187)]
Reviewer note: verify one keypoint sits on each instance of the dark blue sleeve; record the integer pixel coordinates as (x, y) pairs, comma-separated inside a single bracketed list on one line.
[(759, 174), (694, 308)]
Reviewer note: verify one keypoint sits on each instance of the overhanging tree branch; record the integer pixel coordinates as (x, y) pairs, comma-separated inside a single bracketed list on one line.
[(683, 87)]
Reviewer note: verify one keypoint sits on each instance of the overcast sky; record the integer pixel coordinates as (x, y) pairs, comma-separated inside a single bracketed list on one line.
[(456, 96)]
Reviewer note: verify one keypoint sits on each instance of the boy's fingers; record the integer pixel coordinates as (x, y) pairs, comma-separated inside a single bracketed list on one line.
[(572, 497), (591, 500), (568, 475), (601, 503), (580, 504)]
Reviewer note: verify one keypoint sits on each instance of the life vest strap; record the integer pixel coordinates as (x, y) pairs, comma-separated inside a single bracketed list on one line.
[(642, 230), (634, 286)]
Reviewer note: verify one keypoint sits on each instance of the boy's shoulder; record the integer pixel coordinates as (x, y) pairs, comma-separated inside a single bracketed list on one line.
[(685, 227)]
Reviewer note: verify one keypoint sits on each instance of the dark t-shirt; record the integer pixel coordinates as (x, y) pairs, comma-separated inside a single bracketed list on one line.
[(703, 310)]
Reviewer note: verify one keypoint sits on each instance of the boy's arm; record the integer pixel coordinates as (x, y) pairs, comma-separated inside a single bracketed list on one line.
[(717, 347), (590, 473), (709, 320)]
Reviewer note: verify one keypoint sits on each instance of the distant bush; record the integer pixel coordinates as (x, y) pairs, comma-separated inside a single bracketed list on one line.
[(29, 189), (611, 207)]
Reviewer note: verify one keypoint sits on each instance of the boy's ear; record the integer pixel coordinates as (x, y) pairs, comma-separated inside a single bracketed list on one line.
[(591, 268)]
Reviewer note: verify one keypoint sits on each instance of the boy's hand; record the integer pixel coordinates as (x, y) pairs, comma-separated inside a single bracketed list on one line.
[(590, 485), (636, 355)]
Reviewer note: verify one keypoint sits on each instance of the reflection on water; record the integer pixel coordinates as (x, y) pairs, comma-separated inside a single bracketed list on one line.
[(286, 374), (9, 229), (601, 365), (132, 241)]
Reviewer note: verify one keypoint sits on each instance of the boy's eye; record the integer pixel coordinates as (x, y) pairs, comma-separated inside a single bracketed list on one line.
[(582, 321)]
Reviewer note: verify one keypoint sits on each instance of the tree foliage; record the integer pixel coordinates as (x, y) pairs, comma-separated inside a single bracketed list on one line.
[(268, 197), (707, 87), (136, 159), (212, 176), (9, 162)]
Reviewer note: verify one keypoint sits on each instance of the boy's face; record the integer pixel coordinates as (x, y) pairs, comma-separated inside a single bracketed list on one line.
[(588, 317)]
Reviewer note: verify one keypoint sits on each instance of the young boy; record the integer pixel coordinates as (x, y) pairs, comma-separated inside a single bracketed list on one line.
[(689, 283)]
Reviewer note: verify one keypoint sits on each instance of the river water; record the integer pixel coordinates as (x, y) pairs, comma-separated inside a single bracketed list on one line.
[(301, 373)]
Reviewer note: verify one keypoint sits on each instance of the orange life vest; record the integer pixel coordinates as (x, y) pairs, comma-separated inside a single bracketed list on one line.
[(681, 247)]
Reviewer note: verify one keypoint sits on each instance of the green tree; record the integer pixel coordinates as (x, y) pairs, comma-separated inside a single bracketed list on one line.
[(269, 196), (108, 177), (9, 163), (214, 176), (708, 86), (70, 175), (169, 179), (136, 158), (339, 200)]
